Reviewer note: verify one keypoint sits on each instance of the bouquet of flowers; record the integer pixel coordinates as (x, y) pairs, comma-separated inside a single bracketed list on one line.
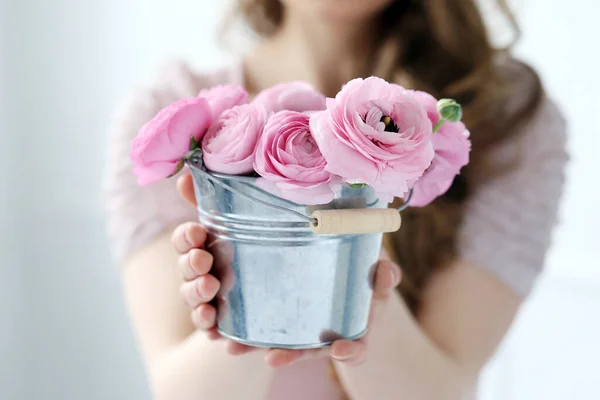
[(303, 146)]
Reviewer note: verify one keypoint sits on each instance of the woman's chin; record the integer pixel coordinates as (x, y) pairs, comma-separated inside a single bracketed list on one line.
[(339, 9)]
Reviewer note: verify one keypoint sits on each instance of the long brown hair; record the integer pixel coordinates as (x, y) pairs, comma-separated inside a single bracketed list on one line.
[(441, 46)]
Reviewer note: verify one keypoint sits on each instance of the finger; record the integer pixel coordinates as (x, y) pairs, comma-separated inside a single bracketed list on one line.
[(384, 255), (213, 334), (185, 187), (204, 317), (348, 352), (188, 236), (195, 263), (276, 358), (237, 349), (201, 290), (222, 307), (387, 277)]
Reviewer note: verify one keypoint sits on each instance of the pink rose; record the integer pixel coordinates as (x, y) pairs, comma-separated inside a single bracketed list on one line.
[(290, 163), (161, 144), (224, 97), (229, 144), (375, 133), (451, 145), (292, 96)]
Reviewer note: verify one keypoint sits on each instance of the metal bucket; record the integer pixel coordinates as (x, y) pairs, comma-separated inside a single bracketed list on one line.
[(283, 286)]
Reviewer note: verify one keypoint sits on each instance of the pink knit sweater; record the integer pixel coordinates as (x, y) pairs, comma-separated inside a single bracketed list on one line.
[(507, 227)]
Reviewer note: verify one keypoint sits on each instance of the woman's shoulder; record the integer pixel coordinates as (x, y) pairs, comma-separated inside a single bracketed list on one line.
[(547, 116), (541, 133), (510, 218)]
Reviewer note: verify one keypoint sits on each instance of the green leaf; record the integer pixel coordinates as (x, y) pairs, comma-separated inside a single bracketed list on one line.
[(438, 125), (194, 144), (179, 168)]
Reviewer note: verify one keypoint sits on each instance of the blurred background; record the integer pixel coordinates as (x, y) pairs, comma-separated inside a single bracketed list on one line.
[(65, 64)]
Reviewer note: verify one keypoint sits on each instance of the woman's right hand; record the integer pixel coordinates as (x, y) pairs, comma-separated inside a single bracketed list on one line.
[(195, 263), (204, 280)]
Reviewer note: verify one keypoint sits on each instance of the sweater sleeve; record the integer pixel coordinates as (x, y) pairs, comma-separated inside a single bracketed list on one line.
[(509, 221), (137, 214)]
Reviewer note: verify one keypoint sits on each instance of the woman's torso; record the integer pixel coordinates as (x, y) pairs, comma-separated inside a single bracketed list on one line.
[(504, 209)]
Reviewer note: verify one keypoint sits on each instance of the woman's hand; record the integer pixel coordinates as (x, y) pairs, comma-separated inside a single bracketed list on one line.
[(201, 287), (195, 264), (387, 277)]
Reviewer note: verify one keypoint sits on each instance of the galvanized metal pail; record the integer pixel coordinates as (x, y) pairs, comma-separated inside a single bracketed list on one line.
[(282, 285)]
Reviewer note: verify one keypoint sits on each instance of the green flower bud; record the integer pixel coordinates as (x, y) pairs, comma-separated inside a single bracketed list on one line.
[(357, 185), (449, 110)]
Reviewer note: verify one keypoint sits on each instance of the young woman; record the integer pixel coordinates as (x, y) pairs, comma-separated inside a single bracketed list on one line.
[(467, 261)]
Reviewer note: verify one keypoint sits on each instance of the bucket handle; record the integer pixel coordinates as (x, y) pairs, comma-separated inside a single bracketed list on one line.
[(347, 221)]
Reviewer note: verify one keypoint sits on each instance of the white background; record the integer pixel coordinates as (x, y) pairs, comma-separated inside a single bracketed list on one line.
[(65, 64)]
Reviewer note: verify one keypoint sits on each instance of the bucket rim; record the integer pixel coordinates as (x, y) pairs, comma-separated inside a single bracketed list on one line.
[(195, 162), (240, 178)]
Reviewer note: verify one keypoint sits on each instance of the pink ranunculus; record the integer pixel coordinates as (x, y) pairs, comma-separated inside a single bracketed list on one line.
[(290, 162), (162, 143), (228, 146), (224, 97), (375, 133), (291, 96), (451, 145)]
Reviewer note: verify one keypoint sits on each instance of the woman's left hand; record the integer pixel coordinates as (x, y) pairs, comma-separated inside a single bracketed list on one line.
[(387, 277)]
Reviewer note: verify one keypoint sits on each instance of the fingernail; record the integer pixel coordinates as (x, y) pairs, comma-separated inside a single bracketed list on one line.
[(196, 235), (384, 255), (396, 275), (342, 358), (345, 356), (187, 236)]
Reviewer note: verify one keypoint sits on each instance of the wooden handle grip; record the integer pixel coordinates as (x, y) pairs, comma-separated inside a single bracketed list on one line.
[(356, 221)]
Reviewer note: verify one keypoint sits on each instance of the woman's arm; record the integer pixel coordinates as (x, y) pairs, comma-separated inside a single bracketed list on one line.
[(465, 313), (183, 363)]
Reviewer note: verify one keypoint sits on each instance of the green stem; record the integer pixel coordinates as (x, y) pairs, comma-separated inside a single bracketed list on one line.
[(438, 125)]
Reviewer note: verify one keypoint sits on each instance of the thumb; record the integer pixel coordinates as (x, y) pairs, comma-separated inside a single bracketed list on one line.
[(185, 187), (387, 277)]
